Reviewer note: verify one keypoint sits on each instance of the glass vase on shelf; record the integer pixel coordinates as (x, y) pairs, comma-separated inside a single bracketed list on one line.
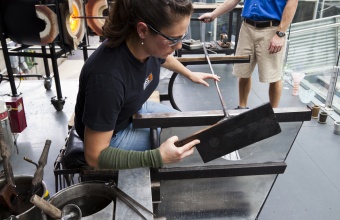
[(287, 78)]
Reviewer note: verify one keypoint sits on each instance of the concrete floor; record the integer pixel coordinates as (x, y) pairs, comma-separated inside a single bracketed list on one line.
[(309, 188)]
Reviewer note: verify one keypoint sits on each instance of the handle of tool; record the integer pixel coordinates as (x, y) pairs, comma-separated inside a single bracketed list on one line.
[(128, 203), (127, 197), (5, 158), (39, 173), (46, 207), (203, 25), (192, 137), (184, 141)]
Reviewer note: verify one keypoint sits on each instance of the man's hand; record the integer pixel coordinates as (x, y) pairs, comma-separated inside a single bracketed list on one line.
[(206, 17), (172, 154), (276, 44)]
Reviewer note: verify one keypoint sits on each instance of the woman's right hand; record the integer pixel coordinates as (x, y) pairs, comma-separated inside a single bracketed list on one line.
[(172, 154)]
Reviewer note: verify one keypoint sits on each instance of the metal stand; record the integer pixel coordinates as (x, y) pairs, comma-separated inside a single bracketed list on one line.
[(58, 102)]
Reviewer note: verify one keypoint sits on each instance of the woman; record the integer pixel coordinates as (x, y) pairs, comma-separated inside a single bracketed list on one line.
[(119, 77)]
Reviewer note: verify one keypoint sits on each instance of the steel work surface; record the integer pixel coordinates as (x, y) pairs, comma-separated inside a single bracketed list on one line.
[(273, 149), (240, 197), (214, 198)]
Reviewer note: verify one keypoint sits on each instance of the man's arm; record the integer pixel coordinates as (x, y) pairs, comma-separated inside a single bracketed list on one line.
[(227, 6), (277, 42), (288, 15)]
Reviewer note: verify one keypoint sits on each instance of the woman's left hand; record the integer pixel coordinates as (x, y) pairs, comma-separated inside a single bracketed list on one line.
[(199, 77)]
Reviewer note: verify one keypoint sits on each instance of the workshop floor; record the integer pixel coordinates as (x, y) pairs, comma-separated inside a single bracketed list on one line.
[(309, 188)]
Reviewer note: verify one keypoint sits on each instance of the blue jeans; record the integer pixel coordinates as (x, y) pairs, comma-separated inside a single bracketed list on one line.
[(139, 138)]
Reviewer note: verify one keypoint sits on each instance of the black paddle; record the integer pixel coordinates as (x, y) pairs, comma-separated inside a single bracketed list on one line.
[(233, 133)]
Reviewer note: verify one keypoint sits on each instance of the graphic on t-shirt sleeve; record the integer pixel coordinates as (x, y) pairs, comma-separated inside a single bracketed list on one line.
[(148, 80)]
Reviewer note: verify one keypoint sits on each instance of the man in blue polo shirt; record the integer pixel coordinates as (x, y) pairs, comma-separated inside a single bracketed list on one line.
[(262, 36)]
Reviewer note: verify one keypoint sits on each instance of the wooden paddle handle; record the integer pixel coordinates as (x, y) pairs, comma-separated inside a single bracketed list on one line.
[(194, 136), (46, 207), (39, 173), (184, 141)]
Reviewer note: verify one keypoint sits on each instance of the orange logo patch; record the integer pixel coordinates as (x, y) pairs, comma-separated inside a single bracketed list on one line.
[(148, 80)]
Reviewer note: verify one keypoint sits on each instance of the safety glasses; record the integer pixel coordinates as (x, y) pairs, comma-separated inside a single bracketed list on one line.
[(170, 41)]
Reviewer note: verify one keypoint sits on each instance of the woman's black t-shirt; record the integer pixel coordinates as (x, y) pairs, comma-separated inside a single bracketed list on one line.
[(113, 85)]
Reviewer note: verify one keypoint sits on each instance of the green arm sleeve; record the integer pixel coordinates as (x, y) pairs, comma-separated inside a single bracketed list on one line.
[(114, 158)]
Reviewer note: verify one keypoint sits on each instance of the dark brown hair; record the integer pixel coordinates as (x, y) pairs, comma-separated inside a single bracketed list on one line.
[(125, 14)]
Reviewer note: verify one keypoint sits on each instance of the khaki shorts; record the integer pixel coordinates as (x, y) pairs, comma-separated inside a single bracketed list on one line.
[(255, 42)]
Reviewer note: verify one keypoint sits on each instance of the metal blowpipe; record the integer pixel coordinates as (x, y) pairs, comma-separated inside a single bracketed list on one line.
[(226, 114)]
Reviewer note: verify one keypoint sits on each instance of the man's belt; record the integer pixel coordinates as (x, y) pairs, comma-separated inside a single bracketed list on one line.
[(262, 24)]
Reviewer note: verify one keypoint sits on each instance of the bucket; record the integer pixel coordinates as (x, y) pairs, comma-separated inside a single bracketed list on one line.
[(27, 210), (95, 199)]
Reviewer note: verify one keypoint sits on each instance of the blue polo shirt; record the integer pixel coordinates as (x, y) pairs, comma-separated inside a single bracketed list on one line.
[(262, 10)]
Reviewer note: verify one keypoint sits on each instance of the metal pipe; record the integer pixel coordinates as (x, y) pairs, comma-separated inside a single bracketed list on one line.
[(46, 66), (91, 17), (322, 7), (55, 71), (217, 87), (203, 26), (316, 9)]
